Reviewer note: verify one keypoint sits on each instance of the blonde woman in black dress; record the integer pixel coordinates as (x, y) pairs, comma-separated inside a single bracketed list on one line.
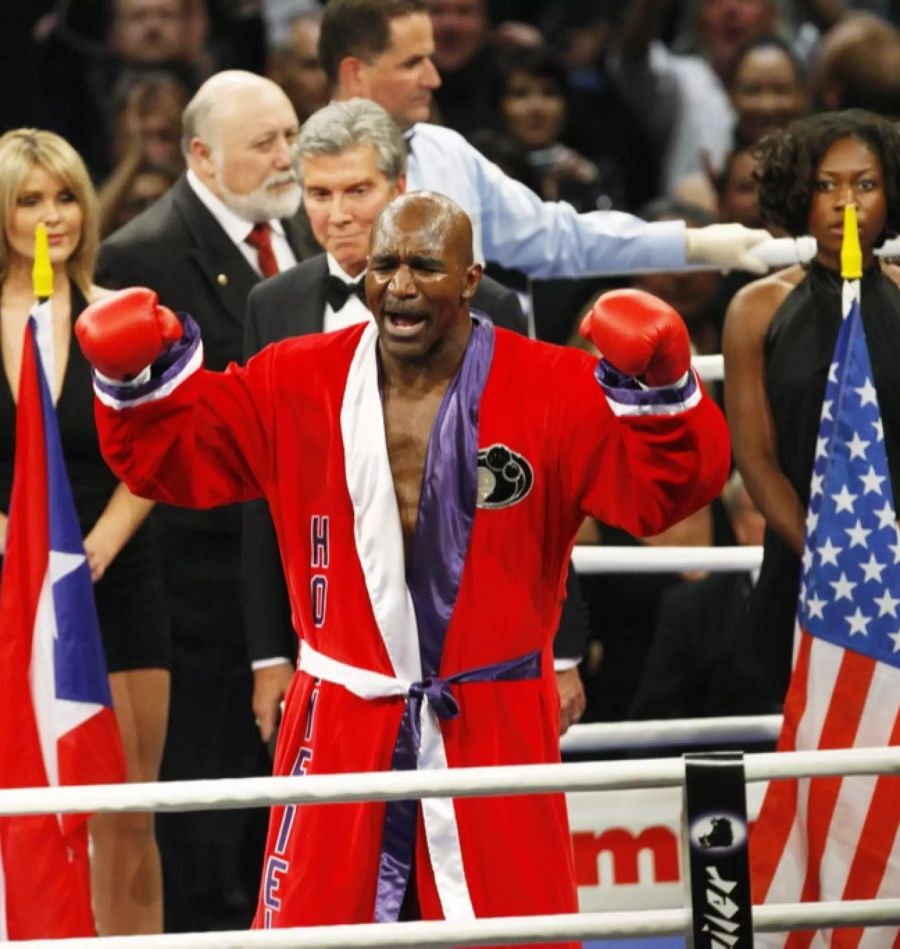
[(43, 180)]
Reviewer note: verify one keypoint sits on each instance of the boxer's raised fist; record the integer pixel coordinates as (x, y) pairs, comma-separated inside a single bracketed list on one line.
[(125, 332), (640, 335)]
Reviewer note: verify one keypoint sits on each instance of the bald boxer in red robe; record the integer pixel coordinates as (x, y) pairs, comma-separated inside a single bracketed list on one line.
[(427, 474)]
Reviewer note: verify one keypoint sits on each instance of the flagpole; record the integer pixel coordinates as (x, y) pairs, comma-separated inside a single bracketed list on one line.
[(42, 282), (851, 257)]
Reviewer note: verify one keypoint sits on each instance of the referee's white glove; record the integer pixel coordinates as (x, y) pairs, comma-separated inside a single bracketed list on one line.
[(726, 247)]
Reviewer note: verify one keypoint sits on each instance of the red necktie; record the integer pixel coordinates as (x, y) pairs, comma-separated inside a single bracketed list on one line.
[(261, 238)]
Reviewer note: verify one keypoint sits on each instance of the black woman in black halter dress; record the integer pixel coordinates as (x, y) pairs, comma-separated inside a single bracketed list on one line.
[(780, 334)]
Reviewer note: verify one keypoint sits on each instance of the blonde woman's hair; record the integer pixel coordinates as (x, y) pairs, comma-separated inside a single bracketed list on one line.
[(20, 151)]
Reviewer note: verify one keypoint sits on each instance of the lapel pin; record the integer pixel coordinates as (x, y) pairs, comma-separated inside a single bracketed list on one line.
[(222, 280)]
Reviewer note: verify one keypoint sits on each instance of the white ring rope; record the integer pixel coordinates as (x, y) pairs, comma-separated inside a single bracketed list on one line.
[(646, 559), (226, 793), (501, 931), (614, 736), (709, 368)]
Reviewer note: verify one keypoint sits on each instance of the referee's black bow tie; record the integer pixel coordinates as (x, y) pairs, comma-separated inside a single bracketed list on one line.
[(337, 291)]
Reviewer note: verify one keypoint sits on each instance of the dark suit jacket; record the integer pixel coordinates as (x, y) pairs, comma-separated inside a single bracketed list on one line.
[(293, 304), (177, 248), (701, 662)]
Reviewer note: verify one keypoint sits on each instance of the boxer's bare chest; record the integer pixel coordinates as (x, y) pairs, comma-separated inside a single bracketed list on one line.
[(408, 420)]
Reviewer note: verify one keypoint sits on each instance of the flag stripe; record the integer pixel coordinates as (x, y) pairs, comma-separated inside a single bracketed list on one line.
[(841, 722), (779, 806), (24, 570), (876, 842), (4, 933), (821, 665), (878, 729)]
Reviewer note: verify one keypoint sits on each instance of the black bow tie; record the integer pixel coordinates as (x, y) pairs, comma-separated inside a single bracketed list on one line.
[(337, 291)]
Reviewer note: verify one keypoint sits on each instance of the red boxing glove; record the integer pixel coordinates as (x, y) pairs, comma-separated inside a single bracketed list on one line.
[(122, 334), (640, 335)]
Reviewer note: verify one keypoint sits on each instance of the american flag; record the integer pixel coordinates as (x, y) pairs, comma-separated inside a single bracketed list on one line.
[(57, 725), (836, 838)]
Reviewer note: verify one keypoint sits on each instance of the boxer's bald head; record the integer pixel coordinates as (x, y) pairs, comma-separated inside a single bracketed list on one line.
[(421, 278)]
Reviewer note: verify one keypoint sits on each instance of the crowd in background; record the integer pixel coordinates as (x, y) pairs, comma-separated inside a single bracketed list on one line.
[(647, 106)]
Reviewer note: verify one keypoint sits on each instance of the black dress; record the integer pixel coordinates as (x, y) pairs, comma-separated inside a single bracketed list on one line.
[(130, 599), (799, 347)]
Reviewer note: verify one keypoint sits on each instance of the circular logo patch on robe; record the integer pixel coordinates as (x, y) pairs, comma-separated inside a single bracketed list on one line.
[(504, 477)]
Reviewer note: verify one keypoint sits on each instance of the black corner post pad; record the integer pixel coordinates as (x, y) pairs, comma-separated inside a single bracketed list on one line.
[(714, 835)]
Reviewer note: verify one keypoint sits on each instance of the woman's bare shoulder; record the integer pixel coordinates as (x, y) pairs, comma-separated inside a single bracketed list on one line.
[(98, 293), (753, 306), (769, 290)]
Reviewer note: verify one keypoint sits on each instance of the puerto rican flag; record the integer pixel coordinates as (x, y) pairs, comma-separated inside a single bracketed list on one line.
[(57, 724), (837, 838)]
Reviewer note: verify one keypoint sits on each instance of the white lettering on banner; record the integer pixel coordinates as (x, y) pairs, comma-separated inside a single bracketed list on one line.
[(726, 886), (627, 848), (722, 932)]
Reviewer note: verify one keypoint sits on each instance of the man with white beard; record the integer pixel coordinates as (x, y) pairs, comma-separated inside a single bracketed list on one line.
[(226, 224)]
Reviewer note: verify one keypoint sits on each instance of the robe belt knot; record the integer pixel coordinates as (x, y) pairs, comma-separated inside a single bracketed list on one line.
[(437, 691)]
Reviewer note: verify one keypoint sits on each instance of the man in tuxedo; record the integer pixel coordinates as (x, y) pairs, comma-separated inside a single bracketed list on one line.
[(352, 159), (226, 224)]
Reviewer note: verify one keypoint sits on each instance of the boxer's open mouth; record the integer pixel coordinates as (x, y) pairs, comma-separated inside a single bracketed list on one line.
[(404, 324)]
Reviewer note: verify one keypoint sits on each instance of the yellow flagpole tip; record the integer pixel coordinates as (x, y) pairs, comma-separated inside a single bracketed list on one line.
[(42, 272), (851, 252)]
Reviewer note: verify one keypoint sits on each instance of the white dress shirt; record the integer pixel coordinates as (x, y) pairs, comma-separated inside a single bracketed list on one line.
[(514, 227), (353, 311), (238, 229)]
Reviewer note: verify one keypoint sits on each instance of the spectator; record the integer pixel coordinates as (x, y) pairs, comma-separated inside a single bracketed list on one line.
[(603, 125), (682, 96), (737, 199), (466, 59), (146, 138), (737, 191), (530, 94), (193, 248), (43, 180), (145, 119), (767, 86), (859, 66), (700, 661), (143, 78), (780, 335), (148, 32), (719, 29), (293, 62), (279, 14), (132, 189)]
